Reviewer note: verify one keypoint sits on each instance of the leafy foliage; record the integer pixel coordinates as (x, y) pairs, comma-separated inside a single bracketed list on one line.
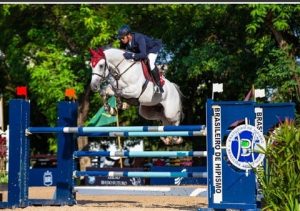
[(3, 178), (46, 48), (274, 36), (280, 179), (51, 77)]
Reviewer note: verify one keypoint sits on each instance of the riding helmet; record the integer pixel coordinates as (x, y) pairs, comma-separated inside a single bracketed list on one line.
[(123, 31)]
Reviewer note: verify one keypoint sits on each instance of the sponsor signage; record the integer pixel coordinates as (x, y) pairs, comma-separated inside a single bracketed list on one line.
[(113, 181), (178, 180)]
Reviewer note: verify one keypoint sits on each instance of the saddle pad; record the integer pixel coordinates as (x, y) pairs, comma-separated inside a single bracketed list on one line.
[(148, 76)]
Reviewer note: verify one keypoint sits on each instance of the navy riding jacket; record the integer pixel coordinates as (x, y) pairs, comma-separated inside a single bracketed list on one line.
[(142, 45)]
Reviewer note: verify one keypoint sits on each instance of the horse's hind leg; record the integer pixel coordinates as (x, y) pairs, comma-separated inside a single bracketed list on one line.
[(152, 112), (156, 113), (173, 114), (171, 139)]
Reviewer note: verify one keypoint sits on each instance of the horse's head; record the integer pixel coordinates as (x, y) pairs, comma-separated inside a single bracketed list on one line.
[(100, 69)]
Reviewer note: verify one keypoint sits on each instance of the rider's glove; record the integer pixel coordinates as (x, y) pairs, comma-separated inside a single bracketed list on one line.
[(128, 55)]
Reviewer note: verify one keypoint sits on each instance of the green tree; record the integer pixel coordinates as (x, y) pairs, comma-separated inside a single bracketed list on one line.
[(274, 36), (46, 48), (208, 45)]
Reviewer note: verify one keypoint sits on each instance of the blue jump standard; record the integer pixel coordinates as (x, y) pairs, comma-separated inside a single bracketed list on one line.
[(77, 154), (140, 174)]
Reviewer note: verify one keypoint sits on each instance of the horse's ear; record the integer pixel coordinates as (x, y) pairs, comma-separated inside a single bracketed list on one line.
[(92, 52), (100, 52)]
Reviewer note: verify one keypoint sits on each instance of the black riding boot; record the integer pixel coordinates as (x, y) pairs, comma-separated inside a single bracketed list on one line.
[(156, 76)]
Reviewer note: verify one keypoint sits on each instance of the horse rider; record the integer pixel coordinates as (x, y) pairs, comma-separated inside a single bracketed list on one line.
[(139, 47)]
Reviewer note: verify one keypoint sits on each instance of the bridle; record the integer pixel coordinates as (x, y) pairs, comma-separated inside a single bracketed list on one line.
[(103, 77), (113, 71)]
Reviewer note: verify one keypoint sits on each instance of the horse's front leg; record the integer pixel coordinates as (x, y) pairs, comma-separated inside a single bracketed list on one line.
[(105, 103), (121, 105), (108, 91), (105, 93)]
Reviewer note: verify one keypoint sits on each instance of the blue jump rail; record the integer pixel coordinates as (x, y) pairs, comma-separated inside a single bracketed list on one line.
[(144, 134), (140, 174), (77, 154), (169, 128), (97, 132)]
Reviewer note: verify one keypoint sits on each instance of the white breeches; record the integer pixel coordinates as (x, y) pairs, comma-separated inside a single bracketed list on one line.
[(152, 57)]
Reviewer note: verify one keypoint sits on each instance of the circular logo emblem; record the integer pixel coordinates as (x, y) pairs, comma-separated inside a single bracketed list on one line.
[(243, 147)]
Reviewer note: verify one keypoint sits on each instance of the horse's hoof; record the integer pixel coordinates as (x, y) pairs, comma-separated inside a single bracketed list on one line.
[(177, 140), (125, 106), (106, 108), (167, 140), (112, 111)]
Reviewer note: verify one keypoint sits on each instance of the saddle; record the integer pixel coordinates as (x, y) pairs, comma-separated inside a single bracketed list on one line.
[(148, 75)]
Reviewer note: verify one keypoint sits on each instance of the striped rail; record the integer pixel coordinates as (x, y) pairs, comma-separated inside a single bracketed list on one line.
[(136, 131), (140, 174), (140, 153)]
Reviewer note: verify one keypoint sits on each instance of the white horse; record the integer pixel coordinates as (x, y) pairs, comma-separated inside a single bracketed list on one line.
[(126, 79)]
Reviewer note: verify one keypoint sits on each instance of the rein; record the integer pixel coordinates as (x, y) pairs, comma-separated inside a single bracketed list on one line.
[(115, 73), (118, 76)]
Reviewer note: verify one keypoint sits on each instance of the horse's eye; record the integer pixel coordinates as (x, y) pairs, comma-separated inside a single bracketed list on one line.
[(101, 66)]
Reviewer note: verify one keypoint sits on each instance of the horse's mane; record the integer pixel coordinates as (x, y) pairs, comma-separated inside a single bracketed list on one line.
[(118, 51), (108, 47)]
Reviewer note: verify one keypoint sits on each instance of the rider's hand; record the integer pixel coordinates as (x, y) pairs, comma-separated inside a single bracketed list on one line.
[(128, 55)]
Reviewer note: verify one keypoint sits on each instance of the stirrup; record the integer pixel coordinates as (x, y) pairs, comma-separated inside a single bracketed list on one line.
[(161, 90), (158, 89)]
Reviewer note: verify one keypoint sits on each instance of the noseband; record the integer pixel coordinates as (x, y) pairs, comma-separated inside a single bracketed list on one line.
[(113, 71), (103, 75)]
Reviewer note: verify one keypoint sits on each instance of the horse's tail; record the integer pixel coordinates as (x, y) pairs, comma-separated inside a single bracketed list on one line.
[(180, 101)]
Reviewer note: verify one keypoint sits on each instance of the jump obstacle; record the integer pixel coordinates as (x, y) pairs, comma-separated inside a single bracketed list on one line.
[(229, 187)]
